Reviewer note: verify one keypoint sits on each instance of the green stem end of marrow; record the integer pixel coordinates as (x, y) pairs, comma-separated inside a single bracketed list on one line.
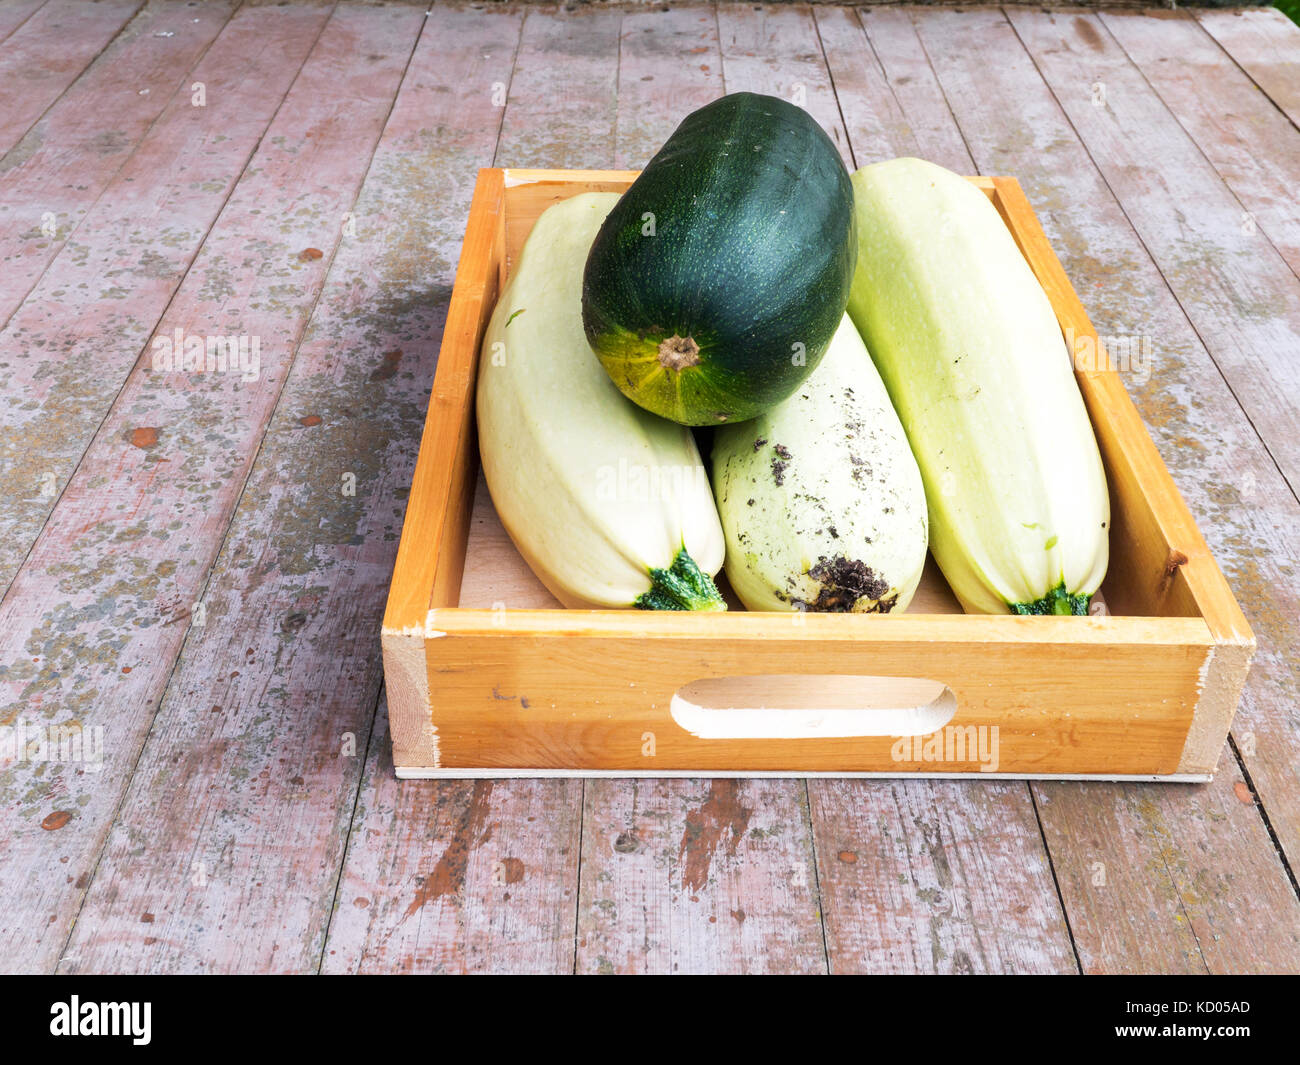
[(682, 586), (1057, 601)]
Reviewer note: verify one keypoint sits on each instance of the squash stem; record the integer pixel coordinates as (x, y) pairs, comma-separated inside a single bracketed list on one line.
[(682, 586), (1057, 601)]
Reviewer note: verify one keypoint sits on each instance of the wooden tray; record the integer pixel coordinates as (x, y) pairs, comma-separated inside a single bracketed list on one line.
[(488, 676)]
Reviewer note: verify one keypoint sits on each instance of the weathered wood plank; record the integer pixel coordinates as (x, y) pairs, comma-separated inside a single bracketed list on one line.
[(69, 158), (669, 66), (105, 292), (774, 49), (937, 910), (13, 13), (1266, 45), (563, 92), (308, 567), (45, 55), (1181, 912), (884, 123), (698, 876), (96, 615), (1237, 290), (1253, 146), (1014, 125), (940, 876), (690, 875), (456, 876), (511, 904)]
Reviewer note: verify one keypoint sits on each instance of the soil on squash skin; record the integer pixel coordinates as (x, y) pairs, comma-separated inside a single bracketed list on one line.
[(844, 581), (780, 462)]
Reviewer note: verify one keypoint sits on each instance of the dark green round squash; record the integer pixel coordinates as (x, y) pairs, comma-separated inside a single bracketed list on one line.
[(716, 283)]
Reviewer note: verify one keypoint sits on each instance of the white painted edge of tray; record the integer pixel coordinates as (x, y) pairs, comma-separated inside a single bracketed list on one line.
[(407, 773)]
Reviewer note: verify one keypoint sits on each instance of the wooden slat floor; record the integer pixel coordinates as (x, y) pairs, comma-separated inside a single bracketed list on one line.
[(193, 567)]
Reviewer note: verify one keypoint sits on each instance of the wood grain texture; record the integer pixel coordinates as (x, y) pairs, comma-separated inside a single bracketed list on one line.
[(1149, 524), (95, 618), (307, 564), (557, 112), (1233, 285), (111, 281), (774, 49), (1223, 111), (1266, 45), (13, 13), (936, 876), (564, 91), (72, 154), (496, 576), (884, 122), (1013, 124), (698, 876), (46, 54), (430, 558), (669, 65), (1241, 503), (689, 875), (457, 876), (1151, 887)]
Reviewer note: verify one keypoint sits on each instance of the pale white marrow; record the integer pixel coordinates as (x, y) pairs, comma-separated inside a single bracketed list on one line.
[(821, 500), (608, 504), (975, 363)]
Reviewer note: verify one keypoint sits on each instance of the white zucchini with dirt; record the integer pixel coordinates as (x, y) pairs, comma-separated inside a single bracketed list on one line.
[(820, 498), (608, 504), (973, 357)]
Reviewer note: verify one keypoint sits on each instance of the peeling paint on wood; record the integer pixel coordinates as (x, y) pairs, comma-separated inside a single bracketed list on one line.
[(1013, 124), (50, 181), (73, 342), (554, 110), (717, 877), (697, 876), (948, 910), (293, 723), (563, 91), (1266, 44), (936, 876), (888, 96), (13, 13), (46, 54), (774, 49), (456, 876), (231, 837), (1232, 283), (1227, 116), (1132, 866), (121, 563)]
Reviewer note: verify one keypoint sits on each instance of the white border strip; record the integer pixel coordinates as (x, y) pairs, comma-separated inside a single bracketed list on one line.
[(418, 773)]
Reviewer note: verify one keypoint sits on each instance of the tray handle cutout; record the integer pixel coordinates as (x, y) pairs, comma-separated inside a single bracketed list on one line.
[(803, 706)]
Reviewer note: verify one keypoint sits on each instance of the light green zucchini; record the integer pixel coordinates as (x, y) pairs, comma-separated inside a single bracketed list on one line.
[(820, 498), (974, 360), (608, 504)]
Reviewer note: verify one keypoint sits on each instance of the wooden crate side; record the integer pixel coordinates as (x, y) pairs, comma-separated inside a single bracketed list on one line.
[(1223, 679), (410, 711), (431, 550), (537, 689)]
